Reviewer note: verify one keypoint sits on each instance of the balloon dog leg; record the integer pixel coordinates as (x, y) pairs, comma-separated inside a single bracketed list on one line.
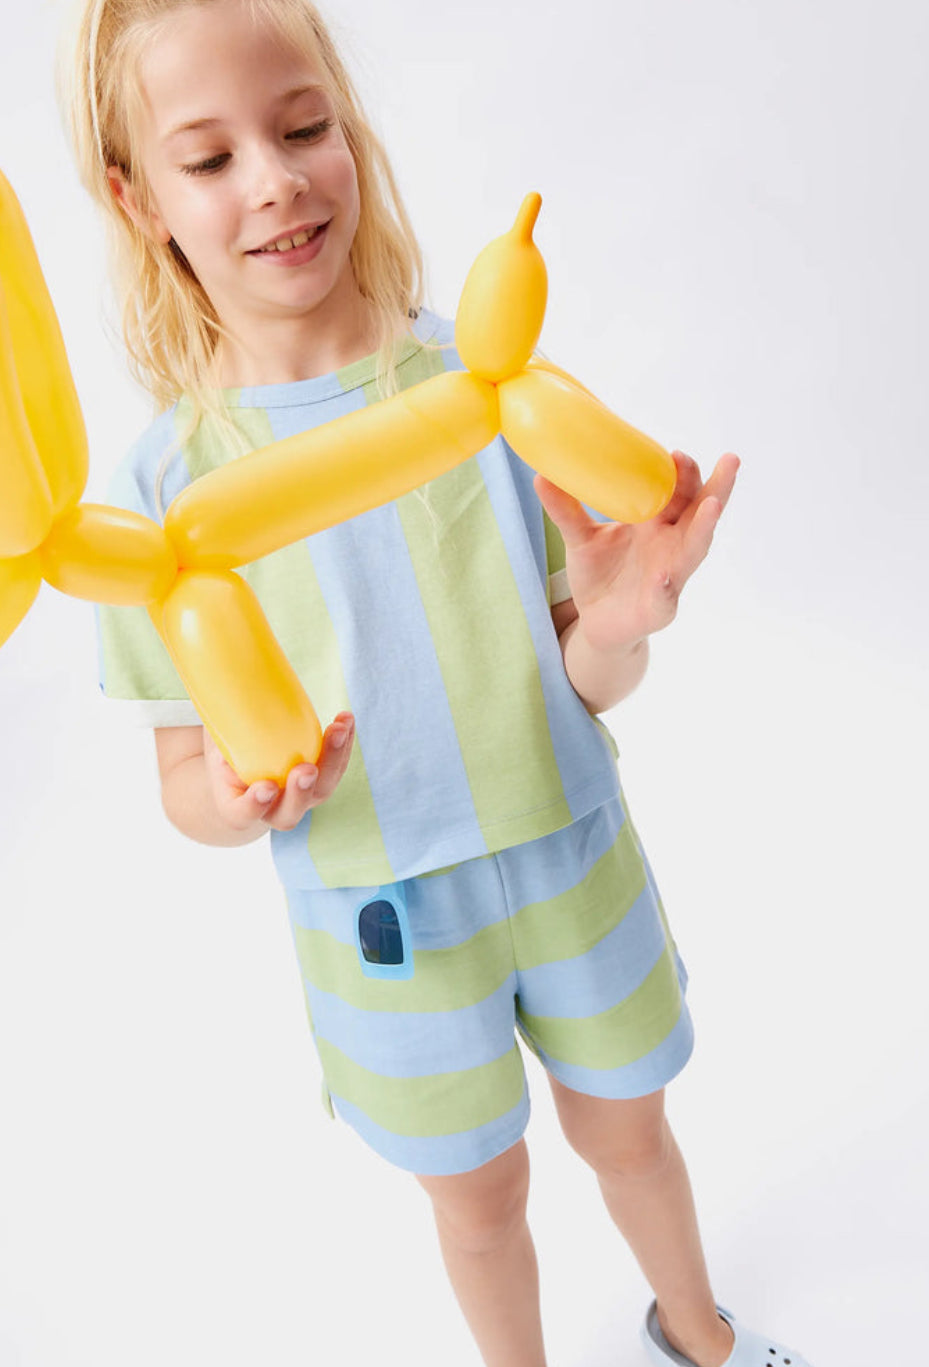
[(239, 679)]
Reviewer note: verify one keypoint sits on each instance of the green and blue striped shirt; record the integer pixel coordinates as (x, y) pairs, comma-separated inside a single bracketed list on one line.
[(428, 618)]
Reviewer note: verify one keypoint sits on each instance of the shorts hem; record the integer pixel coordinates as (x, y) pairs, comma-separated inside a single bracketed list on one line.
[(397, 1150), (642, 1078)]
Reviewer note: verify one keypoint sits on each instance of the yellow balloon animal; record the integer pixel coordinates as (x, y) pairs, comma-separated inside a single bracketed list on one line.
[(207, 616)]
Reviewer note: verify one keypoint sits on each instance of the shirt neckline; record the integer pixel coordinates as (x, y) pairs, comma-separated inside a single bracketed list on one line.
[(358, 373)]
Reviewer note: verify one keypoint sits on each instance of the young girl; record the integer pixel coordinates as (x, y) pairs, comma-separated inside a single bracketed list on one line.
[(460, 862)]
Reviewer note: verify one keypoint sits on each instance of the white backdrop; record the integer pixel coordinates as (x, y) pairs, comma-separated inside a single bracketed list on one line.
[(734, 223)]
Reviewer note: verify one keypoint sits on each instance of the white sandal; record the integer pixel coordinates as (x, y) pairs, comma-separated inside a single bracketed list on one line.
[(749, 1349)]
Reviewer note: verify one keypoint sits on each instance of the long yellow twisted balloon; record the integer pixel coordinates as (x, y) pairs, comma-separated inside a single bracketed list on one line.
[(207, 616)]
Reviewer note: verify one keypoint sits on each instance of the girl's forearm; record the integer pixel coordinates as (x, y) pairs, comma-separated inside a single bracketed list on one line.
[(602, 678), (189, 804)]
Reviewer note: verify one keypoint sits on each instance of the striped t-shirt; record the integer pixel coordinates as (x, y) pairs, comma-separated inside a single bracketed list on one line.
[(428, 618)]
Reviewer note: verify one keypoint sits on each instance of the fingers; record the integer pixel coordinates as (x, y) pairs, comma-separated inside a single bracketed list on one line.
[(699, 520), (697, 541), (685, 490), (310, 784), (690, 491), (722, 481), (567, 512)]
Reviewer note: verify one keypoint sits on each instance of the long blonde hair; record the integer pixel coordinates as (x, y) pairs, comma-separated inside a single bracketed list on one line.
[(171, 329)]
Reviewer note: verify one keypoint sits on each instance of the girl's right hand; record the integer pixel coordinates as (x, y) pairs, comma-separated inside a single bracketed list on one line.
[(247, 806)]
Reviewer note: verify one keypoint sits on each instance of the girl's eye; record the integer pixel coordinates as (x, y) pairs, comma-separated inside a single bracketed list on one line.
[(205, 168), (212, 164), (315, 130)]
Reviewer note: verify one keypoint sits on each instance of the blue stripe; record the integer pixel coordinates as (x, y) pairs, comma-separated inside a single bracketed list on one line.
[(640, 1078), (444, 1155), (382, 627), (578, 746), (603, 977), (553, 864), (132, 485), (292, 861), (417, 1043), (296, 415), (329, 910)]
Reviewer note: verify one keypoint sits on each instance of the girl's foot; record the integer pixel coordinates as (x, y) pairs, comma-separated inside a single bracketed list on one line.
[(746, 1348)]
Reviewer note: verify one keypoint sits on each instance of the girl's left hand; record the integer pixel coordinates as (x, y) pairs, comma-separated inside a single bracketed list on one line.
[(626, 579)]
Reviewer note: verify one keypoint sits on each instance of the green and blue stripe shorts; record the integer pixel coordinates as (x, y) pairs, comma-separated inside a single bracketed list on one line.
[(562, 939)]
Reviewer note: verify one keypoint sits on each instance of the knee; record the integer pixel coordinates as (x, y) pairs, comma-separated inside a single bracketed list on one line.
[(640, 1146), (635, 1157), (479, 1211)]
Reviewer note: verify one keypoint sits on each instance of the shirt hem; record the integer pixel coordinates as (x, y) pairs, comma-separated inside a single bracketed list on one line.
[(572, 806)]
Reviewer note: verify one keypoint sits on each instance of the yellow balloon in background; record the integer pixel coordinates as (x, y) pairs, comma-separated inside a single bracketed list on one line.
[(45, 381), (238, 677), (502, 304)]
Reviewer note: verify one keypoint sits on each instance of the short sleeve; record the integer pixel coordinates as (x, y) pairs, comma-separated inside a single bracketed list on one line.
[(134, 664)]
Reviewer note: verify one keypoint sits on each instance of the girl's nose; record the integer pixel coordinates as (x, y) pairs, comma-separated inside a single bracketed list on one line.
[(276, 178)]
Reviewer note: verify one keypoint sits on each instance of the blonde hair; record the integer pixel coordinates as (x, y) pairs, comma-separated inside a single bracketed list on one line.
[(170, 327)]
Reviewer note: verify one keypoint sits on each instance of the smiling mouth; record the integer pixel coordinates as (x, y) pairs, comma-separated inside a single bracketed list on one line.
[(289, 244)]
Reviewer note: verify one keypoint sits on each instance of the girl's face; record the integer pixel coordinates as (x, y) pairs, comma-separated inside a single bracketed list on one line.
[(248, 170)]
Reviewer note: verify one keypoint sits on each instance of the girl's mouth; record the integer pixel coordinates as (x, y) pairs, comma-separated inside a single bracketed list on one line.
[(303, 246)]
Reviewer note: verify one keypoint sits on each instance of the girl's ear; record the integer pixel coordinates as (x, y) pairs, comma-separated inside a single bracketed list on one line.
[(123, 192)]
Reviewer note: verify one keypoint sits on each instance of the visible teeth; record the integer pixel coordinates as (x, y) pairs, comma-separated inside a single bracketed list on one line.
[(286, 244)]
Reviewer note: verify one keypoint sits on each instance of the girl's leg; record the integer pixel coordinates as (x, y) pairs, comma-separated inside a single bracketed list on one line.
[(489, 1256), (647, 1192)]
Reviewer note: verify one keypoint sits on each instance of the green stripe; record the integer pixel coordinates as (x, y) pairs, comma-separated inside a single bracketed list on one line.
[(624, 1033), (570, 924), (443, 979), (210, 445), (509, 764), (416, 362), (345, 838), (135, 663), (555, 553), (426, 1107)]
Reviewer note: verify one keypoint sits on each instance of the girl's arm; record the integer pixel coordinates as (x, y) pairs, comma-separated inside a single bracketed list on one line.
[(206, 800), (601, 678), (625, 581)]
